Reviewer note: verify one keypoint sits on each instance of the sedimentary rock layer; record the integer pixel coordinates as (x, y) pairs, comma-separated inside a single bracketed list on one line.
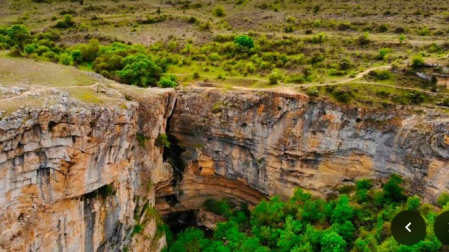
[(276, 142), (73, 175)]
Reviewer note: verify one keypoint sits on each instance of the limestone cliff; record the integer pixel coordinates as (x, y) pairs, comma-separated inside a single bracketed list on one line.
[(275, 142), (78, 177), (86, 176)]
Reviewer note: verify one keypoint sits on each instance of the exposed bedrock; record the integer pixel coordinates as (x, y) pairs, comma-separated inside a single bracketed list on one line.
[(89, 177), (276, 142), (73, 177)]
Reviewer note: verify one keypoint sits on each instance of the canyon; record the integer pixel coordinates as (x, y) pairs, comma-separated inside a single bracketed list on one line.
[(79, 176)]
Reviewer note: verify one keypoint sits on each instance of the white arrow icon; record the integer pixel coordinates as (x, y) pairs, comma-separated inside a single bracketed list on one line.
[(406, 227)]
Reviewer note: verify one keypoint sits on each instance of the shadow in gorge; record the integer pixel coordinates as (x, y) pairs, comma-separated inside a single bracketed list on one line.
[(180, 221)]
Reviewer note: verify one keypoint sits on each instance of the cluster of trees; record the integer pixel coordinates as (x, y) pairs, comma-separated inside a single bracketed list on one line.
[(130, 64), (359, 219)]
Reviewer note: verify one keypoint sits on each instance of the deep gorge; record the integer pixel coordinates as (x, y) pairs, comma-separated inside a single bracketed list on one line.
[(82, 177)]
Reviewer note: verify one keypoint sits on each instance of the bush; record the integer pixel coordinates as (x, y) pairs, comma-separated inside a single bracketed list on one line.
[(66, 22), (244, 42), (219, 11), (363, 39), (417, 61), (312, 91), (380, 74), (274, 77), (65, 59), (416, 98), (342, 96), (443, 199), (162, 141), (140, 70), (168, 82)]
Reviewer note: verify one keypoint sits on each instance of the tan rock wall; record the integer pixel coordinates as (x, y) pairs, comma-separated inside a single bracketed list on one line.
[(71, 176), (275, 142)]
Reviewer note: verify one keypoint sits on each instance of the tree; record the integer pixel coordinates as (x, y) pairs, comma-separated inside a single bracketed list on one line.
[(90, 52), (77, 56), (65, 59), (18, 34), (343, 211), (140, 70), (393, 190), (413, 203), (219, 11), (190, 240), (244, 42), (332, 242)]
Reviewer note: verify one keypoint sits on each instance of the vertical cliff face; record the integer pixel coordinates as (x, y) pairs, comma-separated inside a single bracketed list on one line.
[(275, 142), (85, 177), (77, 177)]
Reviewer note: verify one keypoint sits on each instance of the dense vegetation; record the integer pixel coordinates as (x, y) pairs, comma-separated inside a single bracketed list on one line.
[(131, 64), (245, 43), (357, 220)]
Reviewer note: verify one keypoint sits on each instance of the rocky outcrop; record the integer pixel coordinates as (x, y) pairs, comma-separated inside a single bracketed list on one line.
[(78, 177), (88, 177), (275, 142)]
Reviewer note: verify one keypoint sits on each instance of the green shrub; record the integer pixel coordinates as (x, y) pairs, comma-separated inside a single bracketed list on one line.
[(219, 11), (162, 141), (168, 82), (141, 70), (443, 199), (244, 42), (274, 77), (380, 74), (342, 96), (221, 207), (312, 91), (65, 59), (363, 39), (417, 61)]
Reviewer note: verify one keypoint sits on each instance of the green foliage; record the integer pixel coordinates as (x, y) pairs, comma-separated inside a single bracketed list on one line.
[(244, 42), (190, 240), (342, 96), (274, 77), (140, 70), (402, 38), (383, 52), (218, 207), (306, 223), (417, 61), (413, 203), (168, 82), (443, 199), (312, 91), (332, 242), (219, 11), (393, 192), (65, 59), (380, 74), (66, 22), (162, 141)]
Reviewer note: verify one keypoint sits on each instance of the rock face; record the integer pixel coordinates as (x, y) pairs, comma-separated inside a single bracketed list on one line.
[(85, 177), (75, 177), (275, 142)]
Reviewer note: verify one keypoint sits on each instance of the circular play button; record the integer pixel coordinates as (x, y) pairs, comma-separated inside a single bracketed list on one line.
[(408, 228), (441, 228)]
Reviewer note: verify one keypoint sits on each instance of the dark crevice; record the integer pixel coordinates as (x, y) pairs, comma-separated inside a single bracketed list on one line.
[(172, 153), (180, 221)]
